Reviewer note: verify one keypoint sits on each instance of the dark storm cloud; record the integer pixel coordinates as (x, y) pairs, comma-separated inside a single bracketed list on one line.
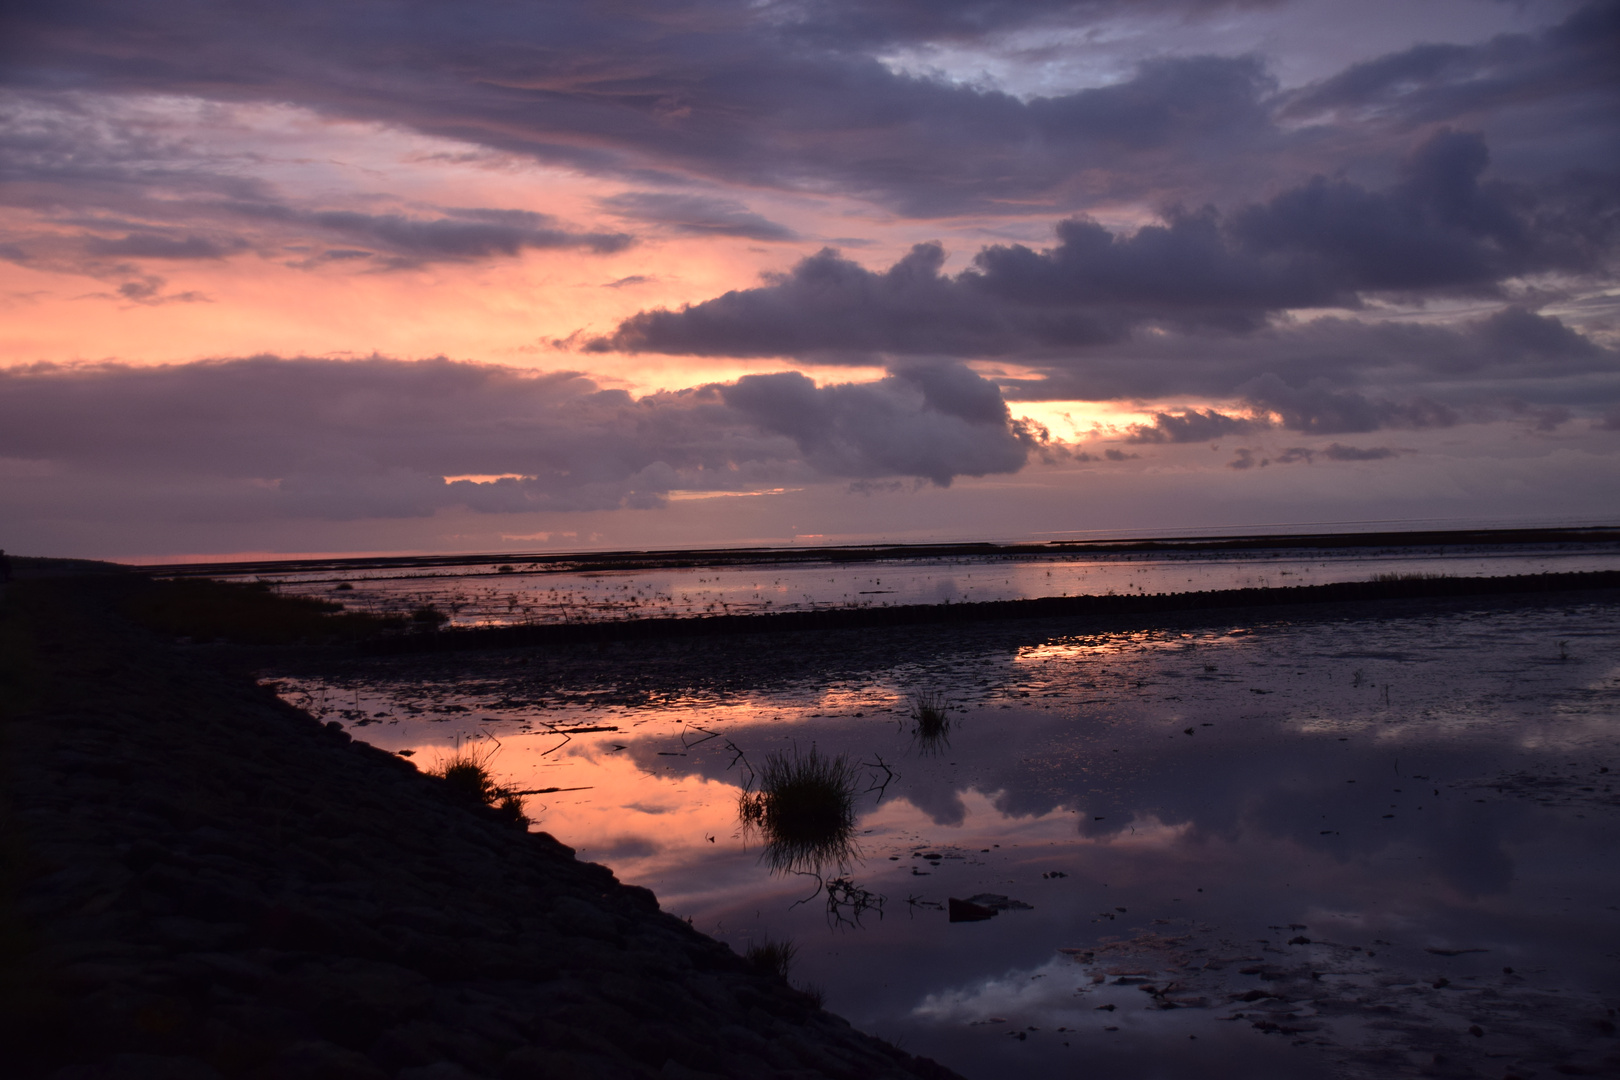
[(697, 215), (1440, 231), (266, 437)]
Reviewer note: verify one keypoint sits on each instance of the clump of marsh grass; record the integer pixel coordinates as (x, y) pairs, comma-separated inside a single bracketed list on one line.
[(772, 957), (466, 771), (1417, 576), (805, 809), (429, 617), (931, 725)]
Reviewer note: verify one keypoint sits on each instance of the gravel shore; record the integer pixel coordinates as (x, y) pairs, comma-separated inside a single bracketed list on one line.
[(201, 881)]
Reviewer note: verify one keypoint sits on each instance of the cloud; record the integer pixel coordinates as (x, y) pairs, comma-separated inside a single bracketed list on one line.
[(264, 437), (463, 234), (1320, 408), (734, 93), (1194, 425), (696, 215), (828, 305), (1439, 232), (796, 95), (937, 421), (150, 245), (1245, 457), (89, 194), (1512, 78), (1339, 452)]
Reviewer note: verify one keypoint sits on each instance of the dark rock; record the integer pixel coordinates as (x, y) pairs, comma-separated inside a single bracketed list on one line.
[(968, 911)]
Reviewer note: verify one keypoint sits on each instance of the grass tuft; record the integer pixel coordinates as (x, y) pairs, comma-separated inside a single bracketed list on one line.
[(931, 723), (771, 957), (466, 770), (1417, 576), (429, 616), (805, 807)]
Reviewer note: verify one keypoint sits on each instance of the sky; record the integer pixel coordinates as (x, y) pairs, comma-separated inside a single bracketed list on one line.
[(391, 276)]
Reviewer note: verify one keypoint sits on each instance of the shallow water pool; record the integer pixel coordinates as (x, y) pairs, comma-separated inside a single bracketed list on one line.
[(1319, 845)]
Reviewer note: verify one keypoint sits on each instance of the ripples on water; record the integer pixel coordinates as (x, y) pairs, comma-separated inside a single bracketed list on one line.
[(1309, 847)]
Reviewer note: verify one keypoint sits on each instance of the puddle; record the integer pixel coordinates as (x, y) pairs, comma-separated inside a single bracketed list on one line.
[(1369, 848)]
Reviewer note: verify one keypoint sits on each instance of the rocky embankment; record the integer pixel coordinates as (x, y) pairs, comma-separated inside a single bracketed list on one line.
[(201, 881)]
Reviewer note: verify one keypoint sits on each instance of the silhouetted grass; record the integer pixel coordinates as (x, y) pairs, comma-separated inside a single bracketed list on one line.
[(429, 616), (805, 808), (1415, 576), (246, 613), (772, 957), (466, 770), (931, 724)]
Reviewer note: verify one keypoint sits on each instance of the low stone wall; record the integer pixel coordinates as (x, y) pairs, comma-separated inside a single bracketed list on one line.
[(202, 881)]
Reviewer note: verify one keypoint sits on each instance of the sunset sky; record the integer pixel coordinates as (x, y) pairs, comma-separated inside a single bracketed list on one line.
[(486, 276)]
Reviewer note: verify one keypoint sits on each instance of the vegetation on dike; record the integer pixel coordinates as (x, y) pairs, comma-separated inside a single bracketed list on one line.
[(772, 957), (466, 770), (246, 613)]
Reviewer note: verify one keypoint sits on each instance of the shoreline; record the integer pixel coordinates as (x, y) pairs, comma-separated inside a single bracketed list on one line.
[(203, 881)]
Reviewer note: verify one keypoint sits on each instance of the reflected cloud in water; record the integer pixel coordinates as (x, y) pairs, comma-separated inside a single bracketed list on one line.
[(1343, 820)]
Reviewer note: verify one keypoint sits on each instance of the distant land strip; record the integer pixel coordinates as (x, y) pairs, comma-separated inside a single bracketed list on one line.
[(602, 561), (500, 637)]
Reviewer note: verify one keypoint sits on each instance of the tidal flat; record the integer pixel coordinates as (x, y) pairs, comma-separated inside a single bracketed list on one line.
[(1358, 840)]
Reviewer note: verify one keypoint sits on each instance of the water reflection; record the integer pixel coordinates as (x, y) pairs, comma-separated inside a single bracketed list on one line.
[(483, 594), (931, 722), (804, 809), (1344, 821)]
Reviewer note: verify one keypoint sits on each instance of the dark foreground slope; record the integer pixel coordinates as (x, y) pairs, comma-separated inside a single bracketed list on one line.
[(201, 881)]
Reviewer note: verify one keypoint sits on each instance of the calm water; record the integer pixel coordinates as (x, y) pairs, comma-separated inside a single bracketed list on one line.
[(480, 595), (1284, 848)]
